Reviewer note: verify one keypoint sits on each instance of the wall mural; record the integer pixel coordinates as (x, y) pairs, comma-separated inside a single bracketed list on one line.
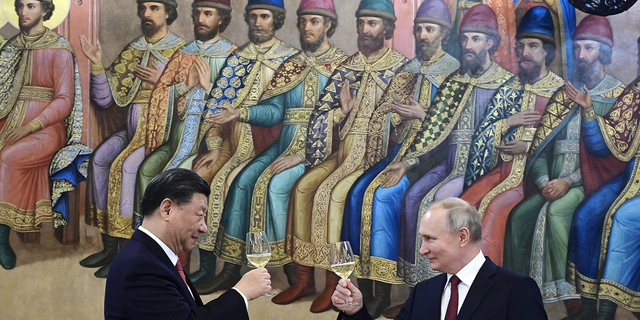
[(526, 109)]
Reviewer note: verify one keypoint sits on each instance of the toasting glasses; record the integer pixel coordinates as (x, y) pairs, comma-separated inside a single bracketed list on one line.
[(258, 251), (342, 262)]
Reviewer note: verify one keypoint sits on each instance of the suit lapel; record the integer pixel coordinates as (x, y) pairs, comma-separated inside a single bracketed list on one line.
[(479, 289), (155, 248), (434, 297)]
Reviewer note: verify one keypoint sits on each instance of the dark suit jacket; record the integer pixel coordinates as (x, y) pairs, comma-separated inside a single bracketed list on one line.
[(144, 284), (496, 293)]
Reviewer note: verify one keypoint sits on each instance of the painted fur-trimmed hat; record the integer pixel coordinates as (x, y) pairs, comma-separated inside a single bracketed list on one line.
[(595, 28), (320, 7), (172, 3), (276, 5), (219, 4), (377, 8), (482, 19), (434, 11), (537, 23)]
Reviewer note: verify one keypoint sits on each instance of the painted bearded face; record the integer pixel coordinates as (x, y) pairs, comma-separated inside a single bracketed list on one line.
[(313, 30), (428, 40), (30, 13), (370, 34), (153, 17), (206, 23), (531, 57), (261, 28)]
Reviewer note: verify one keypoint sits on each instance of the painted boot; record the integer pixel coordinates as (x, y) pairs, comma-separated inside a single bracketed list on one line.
[(7, 256), (305, 286), (588, 311), (381, 300), (607, 310), (291, 271), (104, 257), (323, 302)]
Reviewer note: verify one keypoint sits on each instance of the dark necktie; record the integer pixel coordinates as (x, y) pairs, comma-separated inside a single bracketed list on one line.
[(452, 308), (184, 277)]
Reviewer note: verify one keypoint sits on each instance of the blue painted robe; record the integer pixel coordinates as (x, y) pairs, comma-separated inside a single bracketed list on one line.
[(604, 254)]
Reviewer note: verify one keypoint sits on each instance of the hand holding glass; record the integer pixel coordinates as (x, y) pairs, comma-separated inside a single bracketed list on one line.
[(258, 251), (342, 262)]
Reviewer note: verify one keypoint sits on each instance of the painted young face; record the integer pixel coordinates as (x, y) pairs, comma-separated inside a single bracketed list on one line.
[(313, 31), (153, 17), (438, 245), (189, 221), (206, 23), (30, 13)]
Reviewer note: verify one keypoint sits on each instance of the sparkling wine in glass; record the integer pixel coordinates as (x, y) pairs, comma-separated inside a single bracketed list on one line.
[(258, 251), (342, 262)]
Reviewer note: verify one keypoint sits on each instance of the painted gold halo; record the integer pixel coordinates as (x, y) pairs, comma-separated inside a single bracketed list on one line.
[(59, 14)]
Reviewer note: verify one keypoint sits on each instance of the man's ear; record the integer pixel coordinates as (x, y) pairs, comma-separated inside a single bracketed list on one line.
[(464, 236), (165, 208)]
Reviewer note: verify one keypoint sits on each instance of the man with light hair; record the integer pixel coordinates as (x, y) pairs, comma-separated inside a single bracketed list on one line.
[(451, 231)]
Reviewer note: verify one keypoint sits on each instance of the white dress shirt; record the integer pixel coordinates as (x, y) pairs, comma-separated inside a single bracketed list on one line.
[(466, 276), (174, 259)]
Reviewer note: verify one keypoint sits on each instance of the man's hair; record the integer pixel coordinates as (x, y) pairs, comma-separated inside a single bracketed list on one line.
[(550, 48), (496, 43), (389, 28), (334, 25), (169, 10), (605, 54), (460, 214), (225, 17), (278, 18), (47, 7), (179, 185)]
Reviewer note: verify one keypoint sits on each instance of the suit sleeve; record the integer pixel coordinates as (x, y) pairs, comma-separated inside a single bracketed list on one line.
[(363, 314), (152, 293), (525, 302)]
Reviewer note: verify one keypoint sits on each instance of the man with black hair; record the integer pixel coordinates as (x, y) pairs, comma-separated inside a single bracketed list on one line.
[(227, 148), (268, 179), (178, 98), (114, 164), (147, 280), (39, 91)]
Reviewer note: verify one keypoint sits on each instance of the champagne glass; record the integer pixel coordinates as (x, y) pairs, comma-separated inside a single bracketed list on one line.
[(342, 262), (258, 251)]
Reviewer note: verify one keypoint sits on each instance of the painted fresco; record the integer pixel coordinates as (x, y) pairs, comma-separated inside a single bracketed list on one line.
[(528, 110)]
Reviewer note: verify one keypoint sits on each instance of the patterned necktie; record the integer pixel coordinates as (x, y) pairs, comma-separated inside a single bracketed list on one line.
[(452, 308), (184, 277)]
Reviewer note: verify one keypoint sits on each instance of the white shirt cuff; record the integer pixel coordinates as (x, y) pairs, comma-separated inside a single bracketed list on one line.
[(246, 302)]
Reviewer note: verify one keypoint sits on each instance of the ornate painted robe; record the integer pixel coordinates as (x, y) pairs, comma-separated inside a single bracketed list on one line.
[(40, 88), (291, 96), (322, 190), (245, 75), (537, 230), (454, 113), (181, 110), (114, 164), (373, 232), (604, 254), (495, 179)]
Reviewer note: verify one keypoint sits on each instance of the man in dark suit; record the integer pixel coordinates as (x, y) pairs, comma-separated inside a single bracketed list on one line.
[(146, 280), (470, 287)]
